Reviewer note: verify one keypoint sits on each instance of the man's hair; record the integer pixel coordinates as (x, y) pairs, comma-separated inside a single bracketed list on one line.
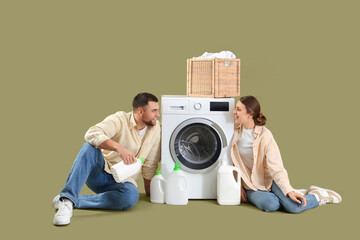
[(142, 99)]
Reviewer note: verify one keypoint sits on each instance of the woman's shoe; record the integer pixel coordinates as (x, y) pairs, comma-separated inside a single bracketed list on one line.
[(325, 195)]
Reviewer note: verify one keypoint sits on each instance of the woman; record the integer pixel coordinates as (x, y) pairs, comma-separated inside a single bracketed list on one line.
[(265, 181)]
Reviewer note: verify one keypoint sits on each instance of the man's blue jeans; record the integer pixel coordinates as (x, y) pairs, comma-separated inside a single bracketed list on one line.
[(88, 168), (276, 200)]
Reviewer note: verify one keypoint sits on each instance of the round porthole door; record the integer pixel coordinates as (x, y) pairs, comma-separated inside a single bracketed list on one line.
[(197, 144)]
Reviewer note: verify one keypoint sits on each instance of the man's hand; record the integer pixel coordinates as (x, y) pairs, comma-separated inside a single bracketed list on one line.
[(126, 155)]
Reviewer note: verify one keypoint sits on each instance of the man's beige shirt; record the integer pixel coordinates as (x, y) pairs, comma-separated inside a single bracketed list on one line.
[(121, 127), (268, 165)]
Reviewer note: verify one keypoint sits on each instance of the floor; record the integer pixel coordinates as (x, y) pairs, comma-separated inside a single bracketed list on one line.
[(205, 219)]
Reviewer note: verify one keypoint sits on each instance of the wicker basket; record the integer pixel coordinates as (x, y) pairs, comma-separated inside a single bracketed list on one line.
[(213, 77)]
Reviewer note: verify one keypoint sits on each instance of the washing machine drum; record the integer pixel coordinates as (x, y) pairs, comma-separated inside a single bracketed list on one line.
[(197, 144)]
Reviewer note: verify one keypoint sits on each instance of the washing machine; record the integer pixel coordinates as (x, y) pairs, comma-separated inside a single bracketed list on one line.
[(196, 132)]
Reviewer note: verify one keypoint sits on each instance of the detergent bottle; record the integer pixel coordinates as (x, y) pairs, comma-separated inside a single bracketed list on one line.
[(228, 188), (176, 189), (122, 171), (157, 188)]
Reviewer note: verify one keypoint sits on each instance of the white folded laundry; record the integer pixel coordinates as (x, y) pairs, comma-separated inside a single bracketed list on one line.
[(222, 54)]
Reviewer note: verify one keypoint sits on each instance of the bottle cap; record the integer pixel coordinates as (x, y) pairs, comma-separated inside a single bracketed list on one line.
[(177, 167), (158, 172), (142, 160)]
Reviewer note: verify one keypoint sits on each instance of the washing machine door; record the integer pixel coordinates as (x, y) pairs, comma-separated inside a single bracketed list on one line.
[(197, 144)]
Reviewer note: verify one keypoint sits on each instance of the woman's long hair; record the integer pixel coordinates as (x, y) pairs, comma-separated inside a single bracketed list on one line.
[(252, 106)]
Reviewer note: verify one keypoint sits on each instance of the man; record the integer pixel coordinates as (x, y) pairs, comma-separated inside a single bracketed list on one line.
[(119, 137)]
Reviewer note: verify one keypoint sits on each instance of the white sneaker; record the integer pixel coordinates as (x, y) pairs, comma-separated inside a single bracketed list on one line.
[(56, 202), (325, 195), (64, 213)]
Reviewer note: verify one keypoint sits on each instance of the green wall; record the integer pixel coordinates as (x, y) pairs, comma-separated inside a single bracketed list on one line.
[(66, 65)]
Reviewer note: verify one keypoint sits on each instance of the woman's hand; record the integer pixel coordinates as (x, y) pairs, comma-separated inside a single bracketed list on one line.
[(243, 195), (296, 196)]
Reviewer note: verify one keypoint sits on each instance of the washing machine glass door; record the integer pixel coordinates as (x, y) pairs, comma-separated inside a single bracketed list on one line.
[(197, 144)]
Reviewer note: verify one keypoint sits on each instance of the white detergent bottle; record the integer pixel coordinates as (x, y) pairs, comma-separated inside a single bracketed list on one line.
[(228, 188), (122, 171), (157, 188), (176, 189)]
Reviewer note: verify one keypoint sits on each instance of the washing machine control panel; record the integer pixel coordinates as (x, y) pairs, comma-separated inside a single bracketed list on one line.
[(208, 106), (191, 105)]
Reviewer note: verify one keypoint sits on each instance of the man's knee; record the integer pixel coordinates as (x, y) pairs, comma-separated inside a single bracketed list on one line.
[(88, 147), (89, 150), (129, 197), (132, 196), (132, 199)]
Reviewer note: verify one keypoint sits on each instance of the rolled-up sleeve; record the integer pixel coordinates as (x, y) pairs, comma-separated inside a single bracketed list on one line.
[(275, 166), (103, 131)]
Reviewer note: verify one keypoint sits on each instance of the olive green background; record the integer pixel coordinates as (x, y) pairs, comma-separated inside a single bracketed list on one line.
[(66, 65)]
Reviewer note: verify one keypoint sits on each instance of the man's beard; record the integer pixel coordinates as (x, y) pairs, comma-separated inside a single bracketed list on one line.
[(148, 123)]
